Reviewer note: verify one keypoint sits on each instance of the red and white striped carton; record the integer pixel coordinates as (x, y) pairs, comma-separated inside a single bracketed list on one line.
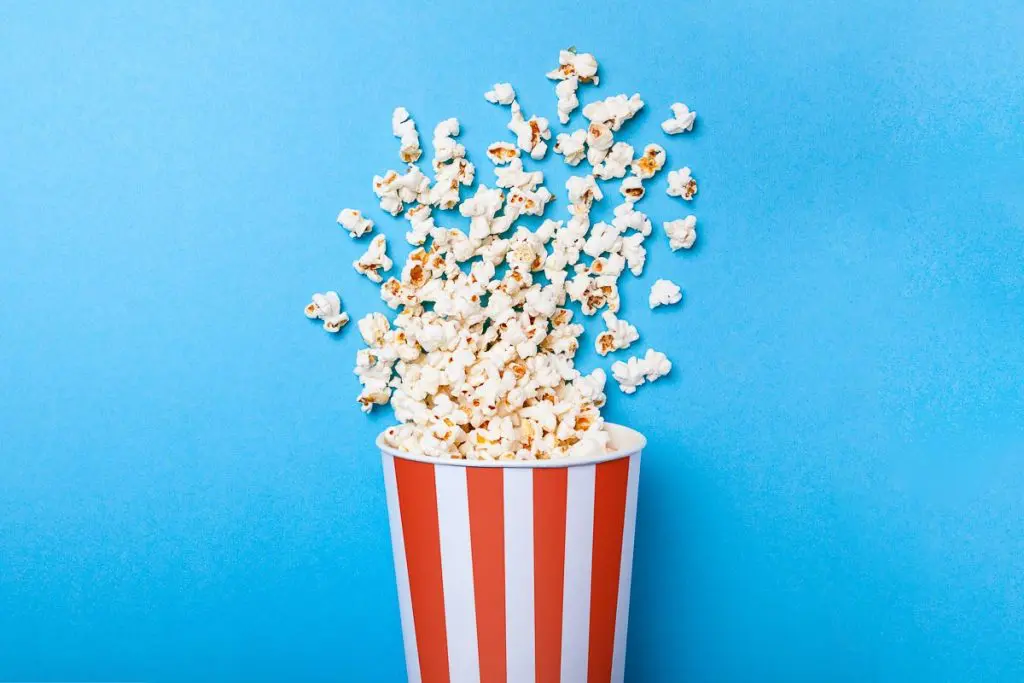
[(514, 572)]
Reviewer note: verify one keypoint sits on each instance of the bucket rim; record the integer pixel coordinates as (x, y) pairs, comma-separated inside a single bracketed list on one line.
[(628, 441)]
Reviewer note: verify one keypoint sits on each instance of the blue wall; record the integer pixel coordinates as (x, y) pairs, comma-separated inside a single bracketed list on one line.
[(833, 486)]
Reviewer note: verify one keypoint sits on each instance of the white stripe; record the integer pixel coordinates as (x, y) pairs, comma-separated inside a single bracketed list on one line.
[(579, 554), (625, 572), (412, 659), (457, 573), (519, 619)]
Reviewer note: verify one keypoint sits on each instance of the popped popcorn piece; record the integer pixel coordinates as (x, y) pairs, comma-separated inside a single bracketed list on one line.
[(395, 189), (613, 111), (446, 148), (374, 260), (501, 93), (353, 221), (681, 184), (635, 371), (634, 252), (421, 224), (651, 162), (626, 218), (572, 146), (404, 128), (530, 134), (583, 192), (619, 335), (681, 121), (599, 142), (504, 152), (632, 189), (513, 175), (573, 69), (615, 162), (664, 293), (681, 233), (327, 307)]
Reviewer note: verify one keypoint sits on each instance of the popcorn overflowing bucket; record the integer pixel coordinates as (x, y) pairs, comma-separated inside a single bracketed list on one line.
[(514, 571)]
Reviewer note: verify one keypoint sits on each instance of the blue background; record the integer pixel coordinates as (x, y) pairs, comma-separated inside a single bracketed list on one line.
[(833, 486)]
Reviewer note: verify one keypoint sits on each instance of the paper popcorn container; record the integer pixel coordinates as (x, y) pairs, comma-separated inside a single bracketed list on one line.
[(514, 572)]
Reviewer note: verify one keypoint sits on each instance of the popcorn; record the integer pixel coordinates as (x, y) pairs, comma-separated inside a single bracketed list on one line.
[(626, 218), (404, 128), (374, 260), (681, 121), (615, 162), (664, 293), (636, 371), (327, 307), (650, 163), (530, 134), (681, 233), (504, 152), (681, 184), (572, 70), (613, 111), (632, 189), (619, 335), (501, 93), (353, 221), (395, 189), (478, 359), (572, 146)]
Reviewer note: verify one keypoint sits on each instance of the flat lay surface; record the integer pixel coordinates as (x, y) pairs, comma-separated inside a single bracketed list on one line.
[(831, 484)]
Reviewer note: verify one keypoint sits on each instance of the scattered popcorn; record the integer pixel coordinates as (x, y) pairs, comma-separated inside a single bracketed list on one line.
[(354, 222), (404, 128), (504, 152), (632, 189), (530, 134), (613, 111), (681, 184), (501, 93), (632, 373), (650, 163), (375, 260), (681, 233), (681, 121), (477, 360), (619, 335), (573, 69), (664, 293), (327, 307), (615, 162)]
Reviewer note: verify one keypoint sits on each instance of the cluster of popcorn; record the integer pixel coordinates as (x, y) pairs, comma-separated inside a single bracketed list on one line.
[(478, 361)]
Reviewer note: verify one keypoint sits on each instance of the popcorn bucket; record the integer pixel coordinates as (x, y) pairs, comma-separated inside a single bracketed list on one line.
[(514, 572)]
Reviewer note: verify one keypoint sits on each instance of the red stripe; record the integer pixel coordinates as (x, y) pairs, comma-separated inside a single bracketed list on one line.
[(550, 487), (487, 536), (609, 519), (417, 502)]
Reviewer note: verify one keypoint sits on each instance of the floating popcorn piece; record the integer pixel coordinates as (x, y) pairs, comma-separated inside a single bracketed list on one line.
[(634, 372), (530, 134), (613, 111), (573, 69), (446, 148), (664, 293), (681, 184), (626, 218), (404, 128), (374, 261), (503, 152), (651, 162), (681, 121), (327, 307), (614, 164), (619, 335), (353, 221), (572, 146), (501, 93), (632, 189), (681, 233)]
